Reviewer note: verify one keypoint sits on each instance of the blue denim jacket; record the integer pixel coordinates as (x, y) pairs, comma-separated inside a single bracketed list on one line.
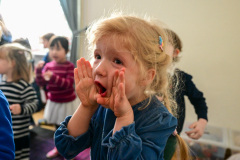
[(145, 138)]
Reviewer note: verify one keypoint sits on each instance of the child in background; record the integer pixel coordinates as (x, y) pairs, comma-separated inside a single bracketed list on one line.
[(58, 77), (25, 43), (46, 38), (120, 116), (186, 87), (15, 64), (6, 135)]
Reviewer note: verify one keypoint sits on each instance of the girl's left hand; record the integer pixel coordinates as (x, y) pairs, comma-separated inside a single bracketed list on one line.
[(47, 75), (197, 129), (117, 101), (15, 108)]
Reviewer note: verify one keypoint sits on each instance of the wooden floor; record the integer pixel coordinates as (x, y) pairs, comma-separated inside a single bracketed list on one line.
[(39, 115)]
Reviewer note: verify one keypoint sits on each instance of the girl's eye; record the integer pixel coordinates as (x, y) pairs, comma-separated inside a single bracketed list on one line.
[(117, 61), (97, 57)]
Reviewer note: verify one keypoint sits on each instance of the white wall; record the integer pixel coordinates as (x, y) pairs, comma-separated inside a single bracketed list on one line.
[(210, 34)]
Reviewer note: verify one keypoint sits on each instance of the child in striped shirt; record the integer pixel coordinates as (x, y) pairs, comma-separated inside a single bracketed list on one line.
[(58, 77), (15, 64)]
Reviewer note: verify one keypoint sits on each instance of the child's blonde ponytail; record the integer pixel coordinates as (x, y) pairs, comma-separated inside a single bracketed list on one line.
[(182, 150)]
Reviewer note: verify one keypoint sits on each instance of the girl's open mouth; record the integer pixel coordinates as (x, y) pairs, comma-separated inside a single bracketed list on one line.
[(102, 90)]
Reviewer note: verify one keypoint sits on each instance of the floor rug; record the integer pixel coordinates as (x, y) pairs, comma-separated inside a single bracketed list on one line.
[(41, 142)]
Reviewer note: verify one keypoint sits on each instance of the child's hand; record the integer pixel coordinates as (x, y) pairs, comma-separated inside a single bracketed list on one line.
[(84, 84), (40, 64), (15, 108), (197, 129), (47, 75), (118, 101)]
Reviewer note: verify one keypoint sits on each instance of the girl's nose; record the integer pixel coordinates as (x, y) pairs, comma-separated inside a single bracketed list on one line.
[(101, 69)]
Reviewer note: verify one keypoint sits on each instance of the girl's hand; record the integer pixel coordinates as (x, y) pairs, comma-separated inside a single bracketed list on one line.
[(47, 75), (40, 64), (84, 84), (15, 108), (118, 101), (197, 129)]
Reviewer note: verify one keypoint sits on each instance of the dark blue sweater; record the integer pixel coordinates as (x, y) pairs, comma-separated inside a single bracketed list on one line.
[(187, 88), (6, 132)]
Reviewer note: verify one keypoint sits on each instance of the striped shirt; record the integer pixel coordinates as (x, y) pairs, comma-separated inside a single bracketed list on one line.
[(21, 93), (60, 86)]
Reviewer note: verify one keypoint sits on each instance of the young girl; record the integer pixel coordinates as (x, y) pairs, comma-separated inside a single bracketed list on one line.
[(186, 87), (120, 116), (58, 77), (15, 64), (6, 134)]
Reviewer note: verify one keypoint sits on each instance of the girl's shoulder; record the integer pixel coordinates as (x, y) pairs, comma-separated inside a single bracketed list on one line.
[(154, 117), (20, 85), (154, 108), (23, 83)]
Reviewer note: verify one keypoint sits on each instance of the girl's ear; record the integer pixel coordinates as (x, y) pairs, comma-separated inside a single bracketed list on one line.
[(149, 77), (13, 63), (176, 52)]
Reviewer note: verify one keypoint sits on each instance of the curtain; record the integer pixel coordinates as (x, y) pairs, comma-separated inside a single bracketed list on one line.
[(70, 9)]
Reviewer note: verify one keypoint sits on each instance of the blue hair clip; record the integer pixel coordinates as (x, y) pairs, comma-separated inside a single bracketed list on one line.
[(161, 44)]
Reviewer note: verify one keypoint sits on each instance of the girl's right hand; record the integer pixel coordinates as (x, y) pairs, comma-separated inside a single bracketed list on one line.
[(84, 84), (40, 64)]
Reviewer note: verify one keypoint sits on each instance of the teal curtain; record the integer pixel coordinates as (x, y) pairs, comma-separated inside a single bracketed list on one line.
[(70, 9)]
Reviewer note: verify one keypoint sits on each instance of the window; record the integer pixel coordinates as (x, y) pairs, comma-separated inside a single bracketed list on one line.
[(33, 18)]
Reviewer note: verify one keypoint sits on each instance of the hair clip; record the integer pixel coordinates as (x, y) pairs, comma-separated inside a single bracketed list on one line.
[(161, 44), (20, 52)]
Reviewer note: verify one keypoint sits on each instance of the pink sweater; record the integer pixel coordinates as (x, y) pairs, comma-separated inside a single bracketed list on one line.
[(60, 86)]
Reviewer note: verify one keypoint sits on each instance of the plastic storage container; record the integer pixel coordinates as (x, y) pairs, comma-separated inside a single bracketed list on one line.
[(234, 141), (212, 145)]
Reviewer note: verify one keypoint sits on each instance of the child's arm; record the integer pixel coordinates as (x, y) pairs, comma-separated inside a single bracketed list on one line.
[(198, 101), (38, 71), (62, 82), (87, 93), (79, 123), (30, 105)]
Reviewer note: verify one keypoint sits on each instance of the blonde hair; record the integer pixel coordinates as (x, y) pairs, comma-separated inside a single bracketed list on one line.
[(141, 37), (22, 59)]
